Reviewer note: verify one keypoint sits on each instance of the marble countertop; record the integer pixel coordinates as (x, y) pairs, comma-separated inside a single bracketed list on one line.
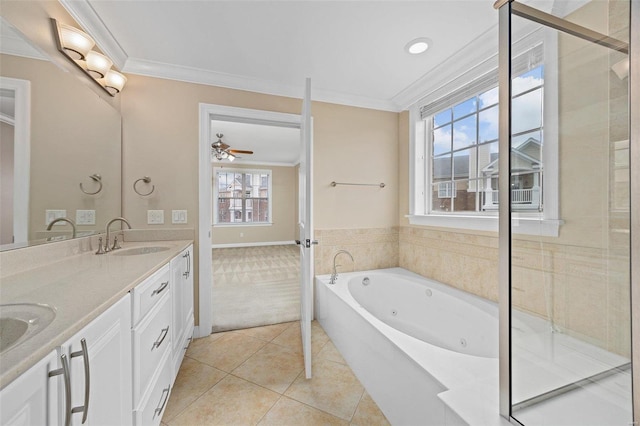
[(80, 288)]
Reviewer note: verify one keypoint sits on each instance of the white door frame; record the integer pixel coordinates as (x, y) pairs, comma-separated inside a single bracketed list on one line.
[(209, 112), (21, 156)]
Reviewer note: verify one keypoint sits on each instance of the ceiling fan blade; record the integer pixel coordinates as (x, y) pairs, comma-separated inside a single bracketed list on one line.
[(239, 151), (219, 145)]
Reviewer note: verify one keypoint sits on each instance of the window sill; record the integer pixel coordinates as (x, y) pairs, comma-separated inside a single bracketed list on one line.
[(241, 224), (520, 225)]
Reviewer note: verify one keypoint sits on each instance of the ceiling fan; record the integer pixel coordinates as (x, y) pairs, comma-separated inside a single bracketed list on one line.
[(221, 151)]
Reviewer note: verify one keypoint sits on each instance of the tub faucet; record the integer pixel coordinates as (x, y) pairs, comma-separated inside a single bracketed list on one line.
[(334, 275), (63, 219), (115, 245)]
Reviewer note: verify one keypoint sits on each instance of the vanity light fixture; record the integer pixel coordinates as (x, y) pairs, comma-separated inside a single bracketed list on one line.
[(77, 47), (417, 46)]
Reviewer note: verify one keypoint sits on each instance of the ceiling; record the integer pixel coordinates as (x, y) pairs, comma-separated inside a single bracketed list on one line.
[(353, 51), (271, 145)]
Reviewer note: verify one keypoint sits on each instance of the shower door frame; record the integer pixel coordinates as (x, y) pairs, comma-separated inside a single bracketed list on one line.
[(506, 8)]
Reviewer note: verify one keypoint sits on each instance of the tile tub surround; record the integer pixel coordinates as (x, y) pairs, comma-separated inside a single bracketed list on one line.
[(79, 285), (585, 290), (265, 383), (372, 248)]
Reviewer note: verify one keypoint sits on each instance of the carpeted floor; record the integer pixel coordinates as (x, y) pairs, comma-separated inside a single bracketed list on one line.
[(255, 286)]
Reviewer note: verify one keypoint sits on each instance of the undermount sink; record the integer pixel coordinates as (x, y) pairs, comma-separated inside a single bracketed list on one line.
[(139, 250), (21, 321)]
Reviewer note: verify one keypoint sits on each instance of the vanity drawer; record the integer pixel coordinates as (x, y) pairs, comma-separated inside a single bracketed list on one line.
[(151, 408), (148, 293), (150, 340)]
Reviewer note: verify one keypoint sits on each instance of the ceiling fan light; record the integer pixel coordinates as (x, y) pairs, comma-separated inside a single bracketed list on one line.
[(75, 43), (231, 157)]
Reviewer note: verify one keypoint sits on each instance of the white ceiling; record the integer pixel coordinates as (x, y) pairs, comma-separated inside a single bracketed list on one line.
[(271, 145), (352, 50)]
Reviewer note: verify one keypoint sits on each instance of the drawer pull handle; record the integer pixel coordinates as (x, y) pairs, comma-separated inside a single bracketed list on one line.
[(163, 334), (164, 402), (64, 371), (84, 409), (160, 289), (187, 342), (188, 271)]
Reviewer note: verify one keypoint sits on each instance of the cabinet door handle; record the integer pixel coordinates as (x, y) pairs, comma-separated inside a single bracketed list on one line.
[(67, 387), (188, 271), (84, 409), (165, 392), (163, 334), (160, 289)]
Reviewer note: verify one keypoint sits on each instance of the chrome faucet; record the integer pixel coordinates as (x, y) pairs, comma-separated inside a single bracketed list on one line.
[(63, 219), (115, 239), (334, 275)]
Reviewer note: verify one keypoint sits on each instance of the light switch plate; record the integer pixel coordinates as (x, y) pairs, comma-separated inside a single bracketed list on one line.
[(178, 216), (155, 217), (85, 217), (51, 215)]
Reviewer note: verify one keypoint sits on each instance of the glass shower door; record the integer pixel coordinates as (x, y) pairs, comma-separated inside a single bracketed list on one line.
[(570, 215)]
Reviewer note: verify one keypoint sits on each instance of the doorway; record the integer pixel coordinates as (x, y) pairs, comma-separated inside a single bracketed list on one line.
[(234, 310)]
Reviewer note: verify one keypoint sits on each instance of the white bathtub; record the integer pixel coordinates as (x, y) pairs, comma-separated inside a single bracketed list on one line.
[(425, 352)]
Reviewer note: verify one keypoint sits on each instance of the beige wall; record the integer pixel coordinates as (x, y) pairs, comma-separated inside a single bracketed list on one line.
[(160, 133), (580, 278), (284, 186)]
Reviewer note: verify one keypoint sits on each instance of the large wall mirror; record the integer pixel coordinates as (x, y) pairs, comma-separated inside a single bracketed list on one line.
[(60, 152)]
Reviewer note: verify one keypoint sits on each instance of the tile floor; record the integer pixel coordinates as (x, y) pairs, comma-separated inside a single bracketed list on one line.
[(256, 376)]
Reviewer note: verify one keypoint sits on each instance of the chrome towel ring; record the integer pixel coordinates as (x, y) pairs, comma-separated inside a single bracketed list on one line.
[(145, 179), (96, 178)]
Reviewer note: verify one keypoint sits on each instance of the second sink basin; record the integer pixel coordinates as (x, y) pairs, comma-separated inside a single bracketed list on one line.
[(139, 250), (20, 321)]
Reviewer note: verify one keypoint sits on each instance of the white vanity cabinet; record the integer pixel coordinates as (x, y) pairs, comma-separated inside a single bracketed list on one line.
[(151, 337), (182, 302), (99, 358), (32, 399)]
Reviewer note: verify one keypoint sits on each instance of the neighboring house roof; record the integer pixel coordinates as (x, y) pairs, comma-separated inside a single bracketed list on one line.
[(525, 156), (443, 167)]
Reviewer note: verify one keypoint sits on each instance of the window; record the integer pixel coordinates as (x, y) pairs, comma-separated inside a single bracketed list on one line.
[(463, 146), (242, 197), (454, 146)]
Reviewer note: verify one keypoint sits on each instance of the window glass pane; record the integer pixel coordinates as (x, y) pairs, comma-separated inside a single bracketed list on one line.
[(464, 132), (442, 168), (464, 163), (526, 112), (528, 80), (488, 98), (488, 124), (442, 140), (465, 108), (442, 118), (439, 201), (465, 199)]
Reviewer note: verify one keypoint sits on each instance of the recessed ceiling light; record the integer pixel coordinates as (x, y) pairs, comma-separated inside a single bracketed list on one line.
[(417, 46)]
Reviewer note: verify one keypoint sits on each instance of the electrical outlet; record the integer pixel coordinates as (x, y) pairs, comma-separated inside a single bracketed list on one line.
[(85, 217), (51, 215), (155, 217), (178, 216)]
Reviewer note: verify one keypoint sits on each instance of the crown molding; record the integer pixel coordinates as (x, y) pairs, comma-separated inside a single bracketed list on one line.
[(231, 81), (13, 43), (86, 16)]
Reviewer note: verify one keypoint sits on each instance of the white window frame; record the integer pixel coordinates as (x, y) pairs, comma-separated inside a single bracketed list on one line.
[(546, 223), (214, 219)]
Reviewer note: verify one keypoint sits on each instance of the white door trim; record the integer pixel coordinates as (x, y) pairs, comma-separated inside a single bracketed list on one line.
[(210, 112), (21, 155)]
